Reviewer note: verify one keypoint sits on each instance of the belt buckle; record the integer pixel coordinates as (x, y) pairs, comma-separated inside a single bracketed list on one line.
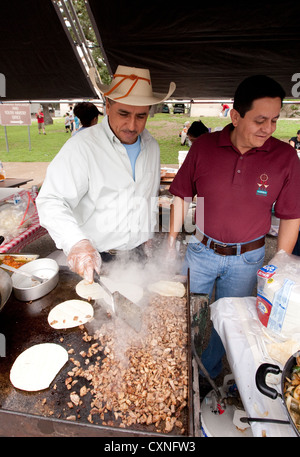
[(222, 245)]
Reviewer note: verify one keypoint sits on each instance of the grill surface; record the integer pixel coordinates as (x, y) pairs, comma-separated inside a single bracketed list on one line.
[(44, 413)]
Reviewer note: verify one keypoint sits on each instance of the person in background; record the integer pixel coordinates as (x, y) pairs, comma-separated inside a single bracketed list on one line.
[(71, 116), (183, 133), (295, 141), (196, 129), (99, 196), (67, 123), (87, 113), (225, 109), (237, 174), (40, 120), (77, 123)]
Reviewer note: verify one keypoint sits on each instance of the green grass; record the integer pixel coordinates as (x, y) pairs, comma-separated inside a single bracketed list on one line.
[(164, 127), (43, 147)]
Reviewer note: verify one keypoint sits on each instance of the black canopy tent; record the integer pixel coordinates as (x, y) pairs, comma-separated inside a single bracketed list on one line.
[(207, 49), (37, 58)]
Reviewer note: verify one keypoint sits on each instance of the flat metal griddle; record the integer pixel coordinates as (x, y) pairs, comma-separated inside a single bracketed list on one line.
[(45, 413)]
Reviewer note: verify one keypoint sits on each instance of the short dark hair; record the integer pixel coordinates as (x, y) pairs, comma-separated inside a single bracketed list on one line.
[(197, 129), (86, 112), (253, 88)]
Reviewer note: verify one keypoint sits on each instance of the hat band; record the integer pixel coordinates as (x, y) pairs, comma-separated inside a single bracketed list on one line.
[(135, 79)]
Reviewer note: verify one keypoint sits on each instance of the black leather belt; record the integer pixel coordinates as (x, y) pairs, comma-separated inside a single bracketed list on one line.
[(230, 249)]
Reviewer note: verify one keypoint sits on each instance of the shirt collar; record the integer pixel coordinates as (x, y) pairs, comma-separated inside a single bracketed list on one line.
[(224, 140), (112, 137)]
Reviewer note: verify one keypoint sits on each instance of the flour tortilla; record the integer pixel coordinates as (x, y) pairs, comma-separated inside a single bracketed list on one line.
[(70, 313), (167, 288), (90, 291), (94, 291), (36, 367)]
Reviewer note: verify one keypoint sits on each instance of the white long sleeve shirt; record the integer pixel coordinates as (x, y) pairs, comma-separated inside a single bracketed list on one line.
[(89, 191)]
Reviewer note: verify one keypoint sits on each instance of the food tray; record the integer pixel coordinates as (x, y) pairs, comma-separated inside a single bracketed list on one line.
[(22, 258)]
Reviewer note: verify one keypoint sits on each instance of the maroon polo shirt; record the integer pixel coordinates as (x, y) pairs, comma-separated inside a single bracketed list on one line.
[(239, 190)]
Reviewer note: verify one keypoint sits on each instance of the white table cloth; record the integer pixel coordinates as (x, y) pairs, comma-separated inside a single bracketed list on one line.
[(244, 338)]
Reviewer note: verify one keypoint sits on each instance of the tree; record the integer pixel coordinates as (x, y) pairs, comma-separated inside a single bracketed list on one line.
[(47, 116), (90, 37), (291, 110)]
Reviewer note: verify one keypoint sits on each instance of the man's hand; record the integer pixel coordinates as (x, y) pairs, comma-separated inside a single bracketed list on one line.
[(83, 259)]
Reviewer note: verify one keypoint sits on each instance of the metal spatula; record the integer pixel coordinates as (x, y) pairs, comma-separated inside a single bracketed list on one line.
[(98, 280), (21, 272), (122, 307)]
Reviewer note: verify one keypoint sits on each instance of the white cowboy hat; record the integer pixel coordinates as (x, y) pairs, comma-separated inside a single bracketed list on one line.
[(132, 86)]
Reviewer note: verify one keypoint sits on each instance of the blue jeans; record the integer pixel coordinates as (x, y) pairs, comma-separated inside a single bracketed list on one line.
[(232, 276), (296, 250)]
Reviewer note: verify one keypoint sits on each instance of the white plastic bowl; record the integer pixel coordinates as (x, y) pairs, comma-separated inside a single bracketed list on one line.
[(26, 289)]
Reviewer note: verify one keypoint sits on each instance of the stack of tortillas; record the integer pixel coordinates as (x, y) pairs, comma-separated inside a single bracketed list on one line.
[(36, 367), (167, 288)]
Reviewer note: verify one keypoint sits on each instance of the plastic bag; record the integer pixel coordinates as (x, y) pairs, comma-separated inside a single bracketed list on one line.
[(16, 215), (278, 294)]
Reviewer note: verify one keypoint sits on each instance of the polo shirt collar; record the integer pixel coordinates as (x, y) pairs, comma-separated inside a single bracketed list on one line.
[(225, 140)]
